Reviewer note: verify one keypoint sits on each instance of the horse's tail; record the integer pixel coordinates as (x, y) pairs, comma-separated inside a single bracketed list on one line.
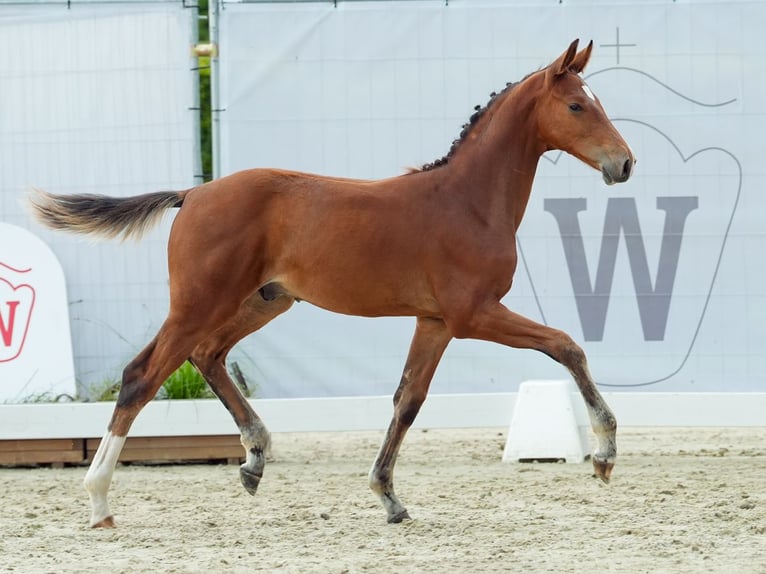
[(101, 215)]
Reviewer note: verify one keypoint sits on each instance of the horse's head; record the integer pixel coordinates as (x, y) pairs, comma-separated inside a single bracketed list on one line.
[(570, 118)]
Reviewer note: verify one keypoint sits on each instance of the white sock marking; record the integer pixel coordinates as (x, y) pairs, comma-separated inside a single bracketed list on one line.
[(99, 475)]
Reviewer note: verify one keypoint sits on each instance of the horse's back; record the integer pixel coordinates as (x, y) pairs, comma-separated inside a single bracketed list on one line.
[(346, 245)]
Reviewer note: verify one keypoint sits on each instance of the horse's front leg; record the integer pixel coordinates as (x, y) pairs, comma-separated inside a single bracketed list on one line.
[(602, 419), (427, 347), (493, 322)]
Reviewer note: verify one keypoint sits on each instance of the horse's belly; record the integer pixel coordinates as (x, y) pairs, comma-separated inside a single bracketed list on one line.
[(366, 298)]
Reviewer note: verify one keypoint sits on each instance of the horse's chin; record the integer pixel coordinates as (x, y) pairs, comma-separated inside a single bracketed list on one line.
[(608, 179), (618, 173)]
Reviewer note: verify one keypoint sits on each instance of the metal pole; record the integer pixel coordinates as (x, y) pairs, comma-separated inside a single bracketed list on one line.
[(215, 101)]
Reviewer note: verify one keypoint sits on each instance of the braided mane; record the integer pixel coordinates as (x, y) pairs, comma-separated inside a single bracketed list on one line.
[(468, 127)]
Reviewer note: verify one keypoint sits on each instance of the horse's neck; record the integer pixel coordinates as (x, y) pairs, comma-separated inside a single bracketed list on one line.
[(495, 172)]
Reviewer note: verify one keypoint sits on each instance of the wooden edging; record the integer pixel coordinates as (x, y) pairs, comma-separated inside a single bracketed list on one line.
[(167, 449), (42, 451)]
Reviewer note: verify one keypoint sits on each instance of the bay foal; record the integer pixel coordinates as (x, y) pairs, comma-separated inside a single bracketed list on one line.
[(438, 244)]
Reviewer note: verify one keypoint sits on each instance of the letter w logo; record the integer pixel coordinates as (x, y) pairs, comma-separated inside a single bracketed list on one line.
[(6, 330), (622, 217)]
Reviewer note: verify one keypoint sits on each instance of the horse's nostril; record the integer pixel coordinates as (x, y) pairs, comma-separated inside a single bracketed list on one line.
[(626, 168)]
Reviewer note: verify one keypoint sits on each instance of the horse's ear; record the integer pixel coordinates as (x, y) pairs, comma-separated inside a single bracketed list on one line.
[(563, 62), (581, 59)]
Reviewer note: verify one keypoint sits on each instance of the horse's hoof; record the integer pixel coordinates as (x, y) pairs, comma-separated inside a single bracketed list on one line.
[(107, 522), (603, 469), (400, 516), (250, 480)]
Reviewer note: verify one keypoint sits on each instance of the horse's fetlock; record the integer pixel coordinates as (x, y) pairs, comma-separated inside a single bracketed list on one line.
[(255, 438), (604, 421), (379, 481)]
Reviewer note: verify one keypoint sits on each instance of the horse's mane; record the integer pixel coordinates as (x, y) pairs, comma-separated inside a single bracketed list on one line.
[(468, 127)]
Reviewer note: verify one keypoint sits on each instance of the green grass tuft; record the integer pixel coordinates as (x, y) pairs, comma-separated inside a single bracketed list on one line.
[(186, 383)]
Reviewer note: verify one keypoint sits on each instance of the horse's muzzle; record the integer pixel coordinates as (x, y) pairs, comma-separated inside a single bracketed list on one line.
[(618, 172)]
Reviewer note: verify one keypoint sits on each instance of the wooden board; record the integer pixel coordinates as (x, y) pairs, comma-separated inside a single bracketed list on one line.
[(137, 449), (41, 451), (175, 449)]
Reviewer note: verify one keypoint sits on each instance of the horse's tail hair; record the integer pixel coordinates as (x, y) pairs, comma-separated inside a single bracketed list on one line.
[(101, 215)]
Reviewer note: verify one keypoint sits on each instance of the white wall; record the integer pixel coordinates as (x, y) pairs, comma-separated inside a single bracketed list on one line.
[(366, 89)]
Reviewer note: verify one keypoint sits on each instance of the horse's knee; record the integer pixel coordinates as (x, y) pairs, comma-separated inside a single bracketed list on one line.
[(567, 352)]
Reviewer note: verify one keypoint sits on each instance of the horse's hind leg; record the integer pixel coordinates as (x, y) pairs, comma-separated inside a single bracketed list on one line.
[(209, 357), (140, 381), (428, 344)]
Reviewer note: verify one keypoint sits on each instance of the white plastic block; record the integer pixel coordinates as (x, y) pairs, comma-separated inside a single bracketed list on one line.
[(546, 424)]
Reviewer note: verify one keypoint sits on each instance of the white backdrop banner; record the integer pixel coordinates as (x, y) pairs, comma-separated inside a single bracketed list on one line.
[(99, 98), (660, 279)]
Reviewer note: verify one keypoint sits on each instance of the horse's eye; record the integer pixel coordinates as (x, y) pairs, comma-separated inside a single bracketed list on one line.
[(575, 107)]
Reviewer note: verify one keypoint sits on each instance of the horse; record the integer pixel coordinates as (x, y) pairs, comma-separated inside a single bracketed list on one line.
[(437, 243)]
